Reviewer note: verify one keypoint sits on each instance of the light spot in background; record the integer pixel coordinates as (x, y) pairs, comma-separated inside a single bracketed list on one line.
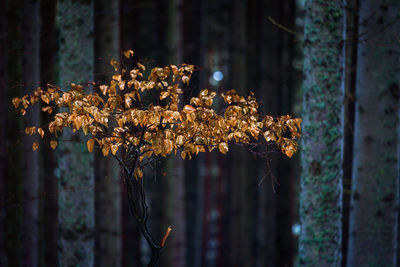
[(218, 76), (296, 228)]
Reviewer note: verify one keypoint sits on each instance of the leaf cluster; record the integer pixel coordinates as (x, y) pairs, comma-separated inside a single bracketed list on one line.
[(114, 117)]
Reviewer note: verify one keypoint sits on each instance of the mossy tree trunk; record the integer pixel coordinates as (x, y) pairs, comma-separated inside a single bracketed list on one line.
[(75, 164), (321, 179), (31, 80), (374, 201), (107, 179)]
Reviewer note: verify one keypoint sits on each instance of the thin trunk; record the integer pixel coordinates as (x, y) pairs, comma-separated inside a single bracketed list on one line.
[(107, 180), (374, 199), (195, 32), (31, 80), (3, 121), (351, 62), (14, 135), (49, 181), (75, 164), (321, 180), (266, 197), (176, 165), (239, 245)]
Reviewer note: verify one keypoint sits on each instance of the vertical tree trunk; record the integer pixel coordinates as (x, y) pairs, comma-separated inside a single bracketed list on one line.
[(374, 201), (348, 120), (176, 165), (15, 132), (266, 251), (107, 180), (239, 245), (3, 121), (321, 181), (31, 80), (49, 180), (75, 163)]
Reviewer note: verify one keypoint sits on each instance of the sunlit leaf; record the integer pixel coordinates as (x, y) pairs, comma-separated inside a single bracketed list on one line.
[(90, 145), (53, 144), (35, 146)]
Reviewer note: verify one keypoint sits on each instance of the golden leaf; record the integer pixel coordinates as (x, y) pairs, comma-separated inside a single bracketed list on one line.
[(117, 77), (53, 144), (104, 89), (183, 154), (141, 66), (30, 130), (47, 109), (105, 150), (90, 145), (16, 101), (128, 53), (223, 147), (185, 80), (41, 132), (35, 146), (164, 95), (114, 149), (189, 109), (45, 99), (138, 173)]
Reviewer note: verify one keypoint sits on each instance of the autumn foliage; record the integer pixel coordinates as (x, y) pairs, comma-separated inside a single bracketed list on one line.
[(114, 117)]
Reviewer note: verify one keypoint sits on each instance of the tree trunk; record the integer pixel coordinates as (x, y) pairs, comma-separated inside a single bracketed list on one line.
[(49, 181), (15, 133), (321, 180), (3, 120), (75, 163), (239, 245), (176, 165), (374, 201), (31, 80), (107, 180), (348, 120)]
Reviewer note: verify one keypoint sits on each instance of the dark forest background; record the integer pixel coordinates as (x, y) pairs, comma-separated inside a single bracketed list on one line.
[(335, 64)]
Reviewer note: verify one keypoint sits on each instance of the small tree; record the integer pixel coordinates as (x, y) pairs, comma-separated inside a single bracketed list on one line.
[(114, 117)]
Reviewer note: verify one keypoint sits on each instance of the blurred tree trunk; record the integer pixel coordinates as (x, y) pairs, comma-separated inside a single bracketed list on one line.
[(321, 181), (31, 80), (75, 164), (374, 202), (195, 49), (3, 122), (107, 178), (240, 241), (131, 253), (285, 88), (14, 133), (49, 181), (175, 164), (349, 97)]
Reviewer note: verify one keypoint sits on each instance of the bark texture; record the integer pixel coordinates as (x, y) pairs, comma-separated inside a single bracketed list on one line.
[(321, 180), (75, 164), (374, 201), (107, 180), (31, 80)]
